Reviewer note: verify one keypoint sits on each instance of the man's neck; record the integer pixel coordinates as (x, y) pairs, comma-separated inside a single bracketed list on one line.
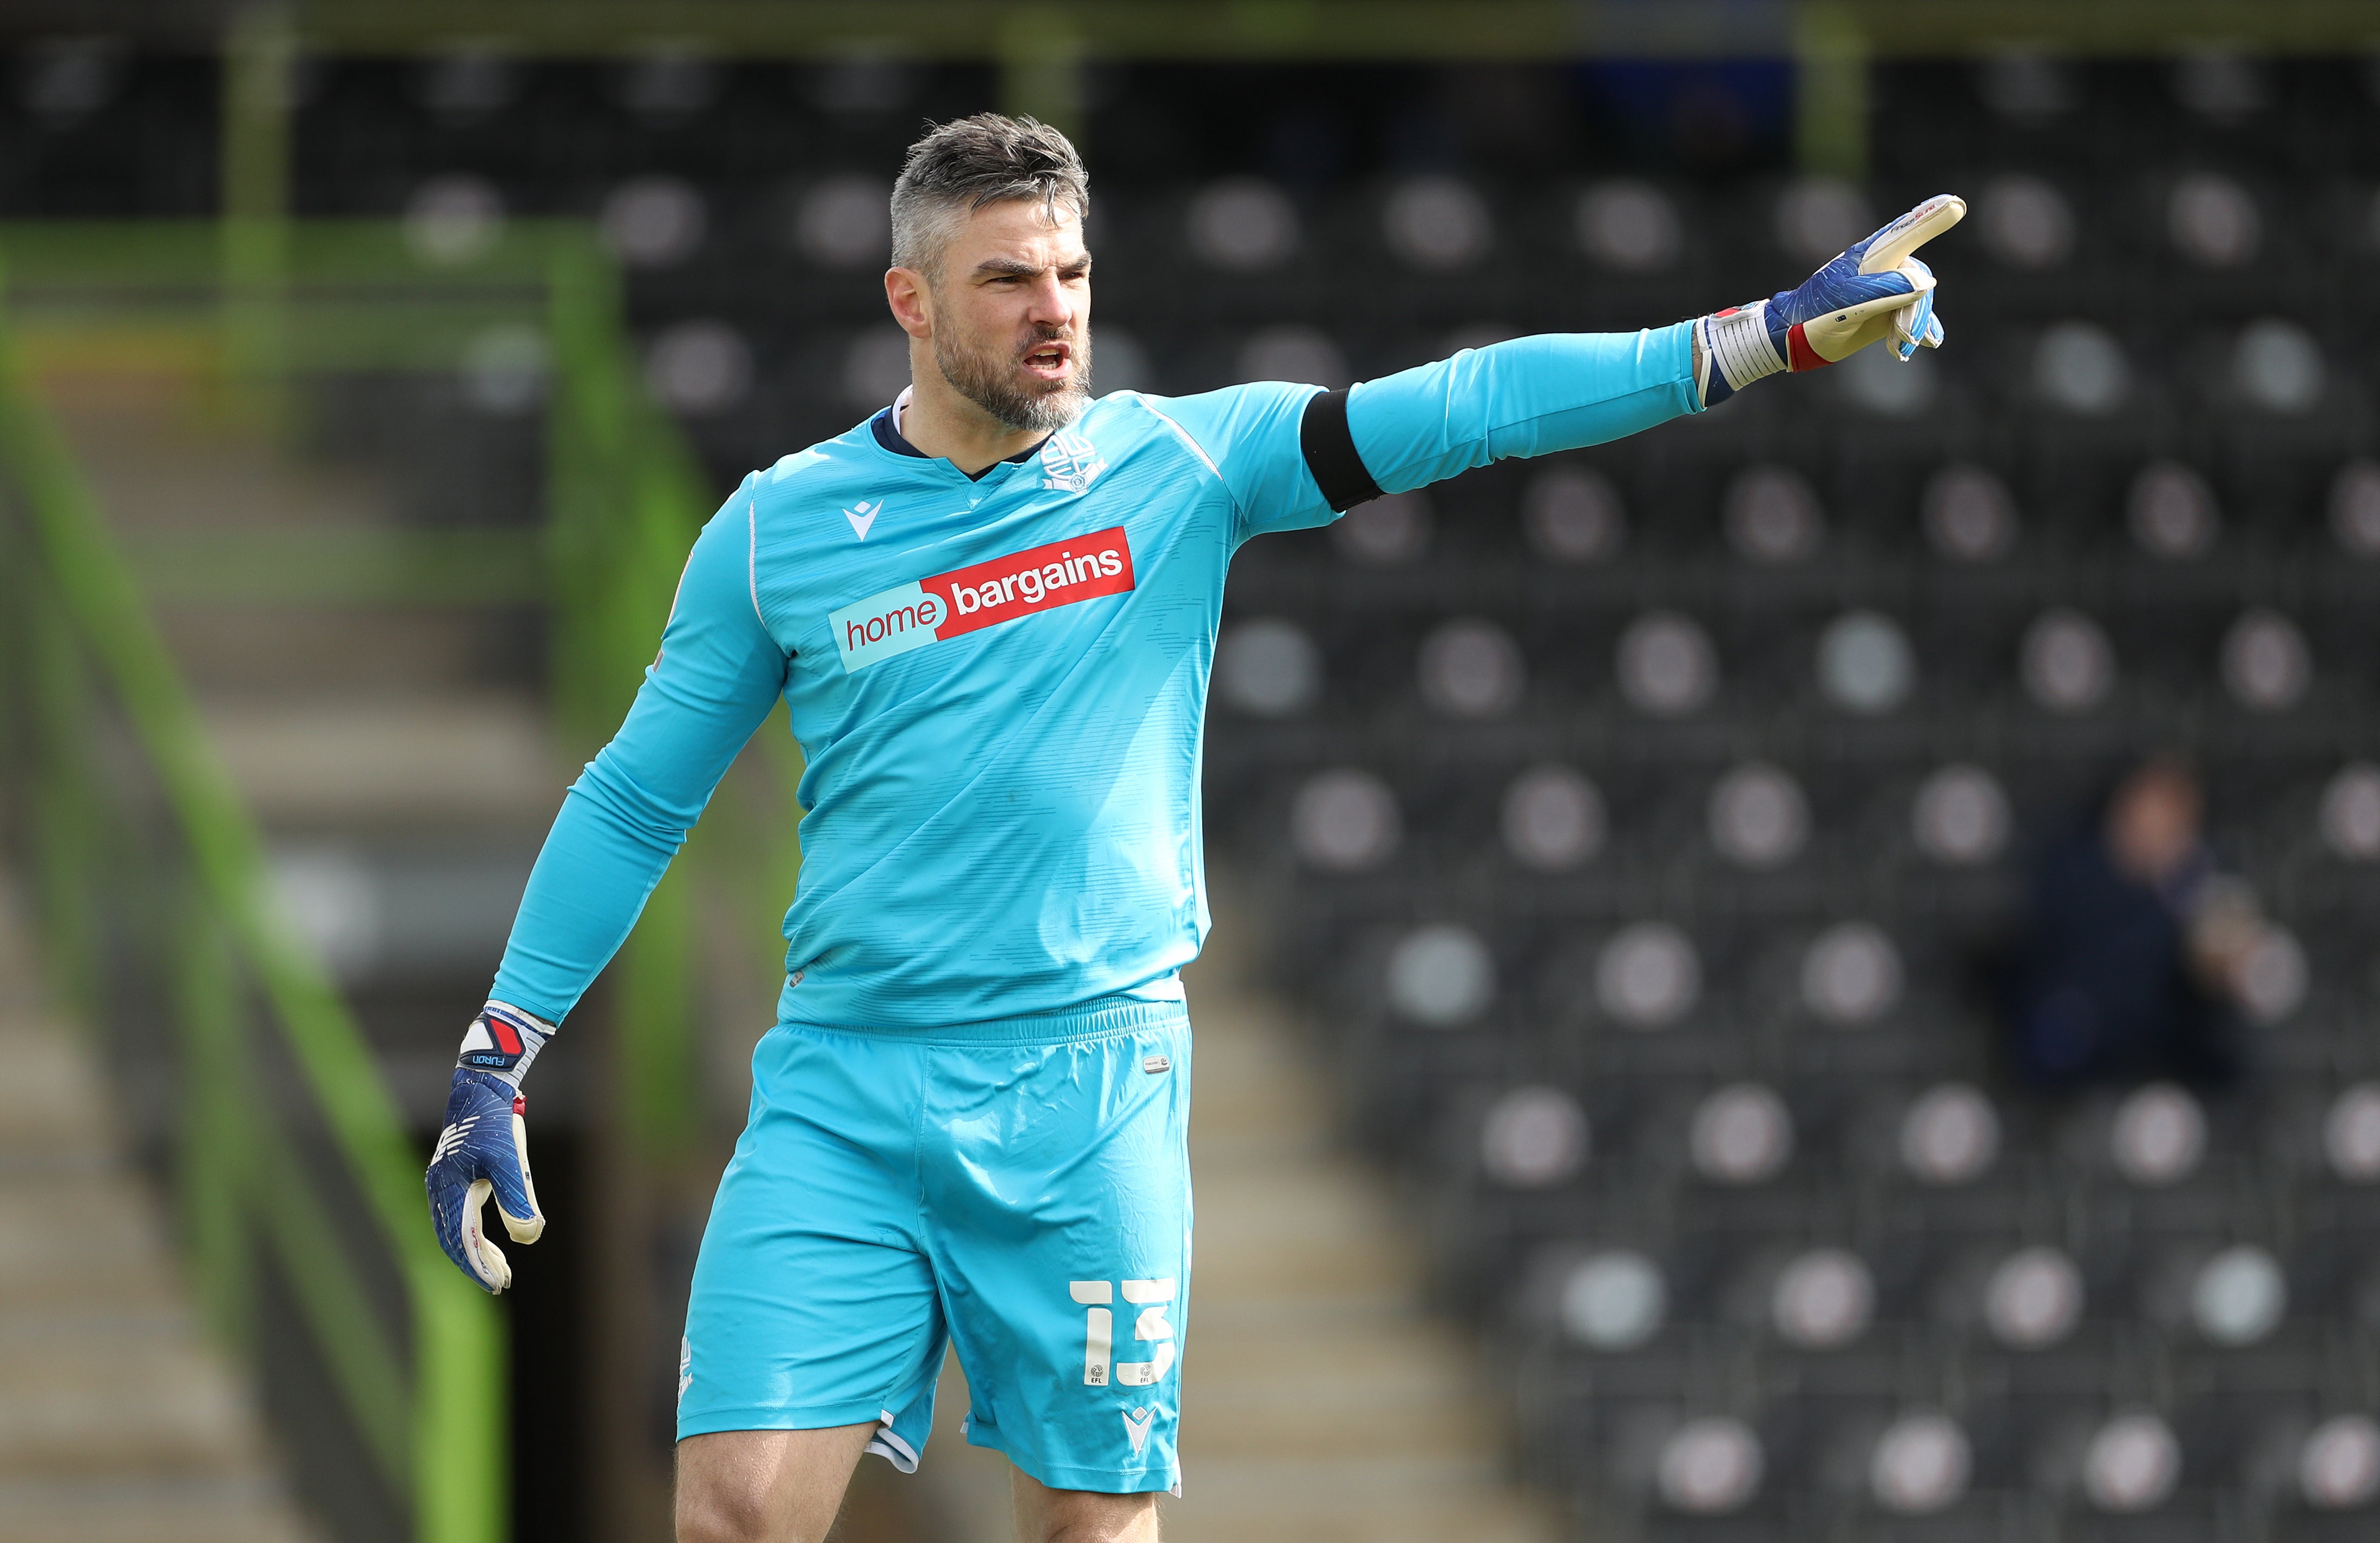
[(941, 423)]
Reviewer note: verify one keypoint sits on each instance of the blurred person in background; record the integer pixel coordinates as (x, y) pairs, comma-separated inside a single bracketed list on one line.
[(2134, 963)]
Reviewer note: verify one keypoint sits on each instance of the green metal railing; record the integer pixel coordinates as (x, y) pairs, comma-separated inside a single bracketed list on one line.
[(87, 646), (150, 876), (625, 499)]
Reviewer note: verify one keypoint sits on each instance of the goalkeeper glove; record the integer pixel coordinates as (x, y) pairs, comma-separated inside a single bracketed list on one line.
[(484, 1149), (1873, 290)]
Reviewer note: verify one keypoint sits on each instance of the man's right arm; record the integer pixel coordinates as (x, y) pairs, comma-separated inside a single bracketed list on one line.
[(710, 686), (715, 678)]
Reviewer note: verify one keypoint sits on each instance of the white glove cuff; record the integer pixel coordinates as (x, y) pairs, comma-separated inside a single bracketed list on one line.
[(503, 1041), (1738, 344)]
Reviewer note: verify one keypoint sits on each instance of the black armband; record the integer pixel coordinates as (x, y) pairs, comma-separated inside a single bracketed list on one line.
[(1330, 454)]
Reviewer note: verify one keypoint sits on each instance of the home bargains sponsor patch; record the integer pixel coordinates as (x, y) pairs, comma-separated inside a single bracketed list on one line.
[(964, 600)]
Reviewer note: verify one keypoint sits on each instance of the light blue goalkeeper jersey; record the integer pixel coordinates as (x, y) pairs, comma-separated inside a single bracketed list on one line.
[(999, 683)]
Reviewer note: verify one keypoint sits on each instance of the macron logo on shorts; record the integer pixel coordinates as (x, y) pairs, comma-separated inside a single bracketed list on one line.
[(964, 600)]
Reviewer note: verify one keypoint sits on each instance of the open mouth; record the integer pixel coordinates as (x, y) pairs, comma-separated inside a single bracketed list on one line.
[(1049, 361)]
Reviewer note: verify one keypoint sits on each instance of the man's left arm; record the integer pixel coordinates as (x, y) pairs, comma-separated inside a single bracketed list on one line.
[(1530, 396), (1535, 396)]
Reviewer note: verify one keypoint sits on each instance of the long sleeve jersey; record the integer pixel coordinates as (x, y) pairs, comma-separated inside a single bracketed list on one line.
[(999, 683)]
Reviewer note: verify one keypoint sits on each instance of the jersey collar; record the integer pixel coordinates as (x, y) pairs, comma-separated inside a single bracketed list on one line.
[(886, 427)]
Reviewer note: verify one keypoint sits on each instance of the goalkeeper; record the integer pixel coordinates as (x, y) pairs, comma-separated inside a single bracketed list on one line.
[(992, 610)]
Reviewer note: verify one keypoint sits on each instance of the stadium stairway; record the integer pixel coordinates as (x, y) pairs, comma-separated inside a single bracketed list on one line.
[(391, 746), (1322, 1404), (118, 1422), (394, 751)]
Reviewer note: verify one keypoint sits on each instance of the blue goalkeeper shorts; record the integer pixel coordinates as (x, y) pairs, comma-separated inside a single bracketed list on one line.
[(1020, 1191)]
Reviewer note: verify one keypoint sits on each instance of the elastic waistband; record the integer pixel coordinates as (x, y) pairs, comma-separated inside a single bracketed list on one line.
[(1094, 1021)]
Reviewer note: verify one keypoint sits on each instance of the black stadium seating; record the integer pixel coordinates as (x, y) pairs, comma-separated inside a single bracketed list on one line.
[(2152, 542)]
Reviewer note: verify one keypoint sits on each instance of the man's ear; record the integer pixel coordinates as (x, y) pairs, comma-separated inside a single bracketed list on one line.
[(911, 299)]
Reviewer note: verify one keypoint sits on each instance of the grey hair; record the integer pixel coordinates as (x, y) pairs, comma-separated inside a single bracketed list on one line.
[(961, 166)]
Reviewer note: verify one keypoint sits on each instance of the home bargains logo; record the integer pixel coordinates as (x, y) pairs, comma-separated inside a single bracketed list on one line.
[(964, 600)]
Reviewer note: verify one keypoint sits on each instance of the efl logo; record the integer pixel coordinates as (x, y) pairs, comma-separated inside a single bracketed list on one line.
[(883, 627)]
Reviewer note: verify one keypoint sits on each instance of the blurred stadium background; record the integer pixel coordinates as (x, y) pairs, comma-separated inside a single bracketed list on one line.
[(1601, 1131)]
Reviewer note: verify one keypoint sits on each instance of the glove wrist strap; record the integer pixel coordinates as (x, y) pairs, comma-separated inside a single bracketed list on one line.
[(1740, 351), (503, 1041)]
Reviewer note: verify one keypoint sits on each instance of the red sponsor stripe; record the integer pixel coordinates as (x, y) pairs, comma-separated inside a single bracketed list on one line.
[(1082, 567), (507, 1038), (1798, 355)]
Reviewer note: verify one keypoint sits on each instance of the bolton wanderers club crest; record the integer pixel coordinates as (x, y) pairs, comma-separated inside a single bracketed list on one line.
[(1070, 461)]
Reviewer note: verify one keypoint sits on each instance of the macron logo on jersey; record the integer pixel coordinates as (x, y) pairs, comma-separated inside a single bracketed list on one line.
[(862, 516), (966, 600)]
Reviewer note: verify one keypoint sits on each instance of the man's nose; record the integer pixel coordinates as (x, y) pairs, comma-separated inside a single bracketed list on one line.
[(1052, 305)]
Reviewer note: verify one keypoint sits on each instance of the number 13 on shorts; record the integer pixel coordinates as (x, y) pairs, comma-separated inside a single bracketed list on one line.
[(1098, 1331)]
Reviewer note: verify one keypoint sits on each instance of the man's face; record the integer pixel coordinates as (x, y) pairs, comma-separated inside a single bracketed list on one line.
[(2153, 823), (1011, 314)]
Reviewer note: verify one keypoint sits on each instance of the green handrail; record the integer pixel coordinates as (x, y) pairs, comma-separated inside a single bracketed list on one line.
[(441, 1442), (625, 496), (625, 499)]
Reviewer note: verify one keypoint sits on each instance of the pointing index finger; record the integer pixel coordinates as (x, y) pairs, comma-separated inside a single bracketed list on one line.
[(1888, 247)]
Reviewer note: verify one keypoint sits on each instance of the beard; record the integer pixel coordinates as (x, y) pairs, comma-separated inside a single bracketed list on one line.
[(989, 377)]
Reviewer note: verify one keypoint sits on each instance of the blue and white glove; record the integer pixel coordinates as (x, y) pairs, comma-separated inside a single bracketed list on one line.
[(484, 1149), (1871, 291)]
